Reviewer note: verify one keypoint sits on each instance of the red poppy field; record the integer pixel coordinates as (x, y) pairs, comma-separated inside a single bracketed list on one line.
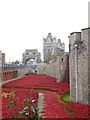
[(50, 89)]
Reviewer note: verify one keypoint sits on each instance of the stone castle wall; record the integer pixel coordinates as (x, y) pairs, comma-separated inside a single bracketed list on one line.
[(54, 69), (8, 74), (89, 66), (73, 37), (78, 66)]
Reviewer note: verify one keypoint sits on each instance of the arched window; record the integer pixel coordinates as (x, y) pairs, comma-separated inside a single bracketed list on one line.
[(62, 59)]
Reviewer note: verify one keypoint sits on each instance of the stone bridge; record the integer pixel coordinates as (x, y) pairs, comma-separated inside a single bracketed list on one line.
[(30, 54)]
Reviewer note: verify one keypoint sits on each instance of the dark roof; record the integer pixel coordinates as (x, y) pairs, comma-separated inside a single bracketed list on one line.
[(86, 28), (74, 32)]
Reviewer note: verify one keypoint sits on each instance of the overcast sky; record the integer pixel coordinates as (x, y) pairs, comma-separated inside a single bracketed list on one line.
[(24, 23)]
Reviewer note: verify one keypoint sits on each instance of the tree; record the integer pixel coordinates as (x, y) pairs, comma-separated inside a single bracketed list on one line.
[(49, 56), (16, 62)]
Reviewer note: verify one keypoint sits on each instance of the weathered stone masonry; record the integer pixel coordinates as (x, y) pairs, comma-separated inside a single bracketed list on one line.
[(57, 69), (89, 65), (79, 65)]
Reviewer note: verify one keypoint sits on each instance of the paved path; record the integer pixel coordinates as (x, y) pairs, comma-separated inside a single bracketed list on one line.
[(41, 104)]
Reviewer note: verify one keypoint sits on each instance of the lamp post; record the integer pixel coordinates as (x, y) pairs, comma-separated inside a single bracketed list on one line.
[(58, 69), (76, 69), (79, 48)]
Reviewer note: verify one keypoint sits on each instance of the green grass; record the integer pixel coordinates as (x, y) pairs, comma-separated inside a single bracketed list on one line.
[(67, 97), (60, 101), (46, 89), (70, 112)]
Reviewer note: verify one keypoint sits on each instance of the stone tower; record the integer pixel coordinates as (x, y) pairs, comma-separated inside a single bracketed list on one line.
[(50, 43), (79, 47)]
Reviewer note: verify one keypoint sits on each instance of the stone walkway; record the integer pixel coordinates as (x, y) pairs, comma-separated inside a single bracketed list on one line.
[(41, 104), (3, 82)]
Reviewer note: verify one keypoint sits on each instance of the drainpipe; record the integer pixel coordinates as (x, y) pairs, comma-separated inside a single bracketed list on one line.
[(76, 70), (57, 69)]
